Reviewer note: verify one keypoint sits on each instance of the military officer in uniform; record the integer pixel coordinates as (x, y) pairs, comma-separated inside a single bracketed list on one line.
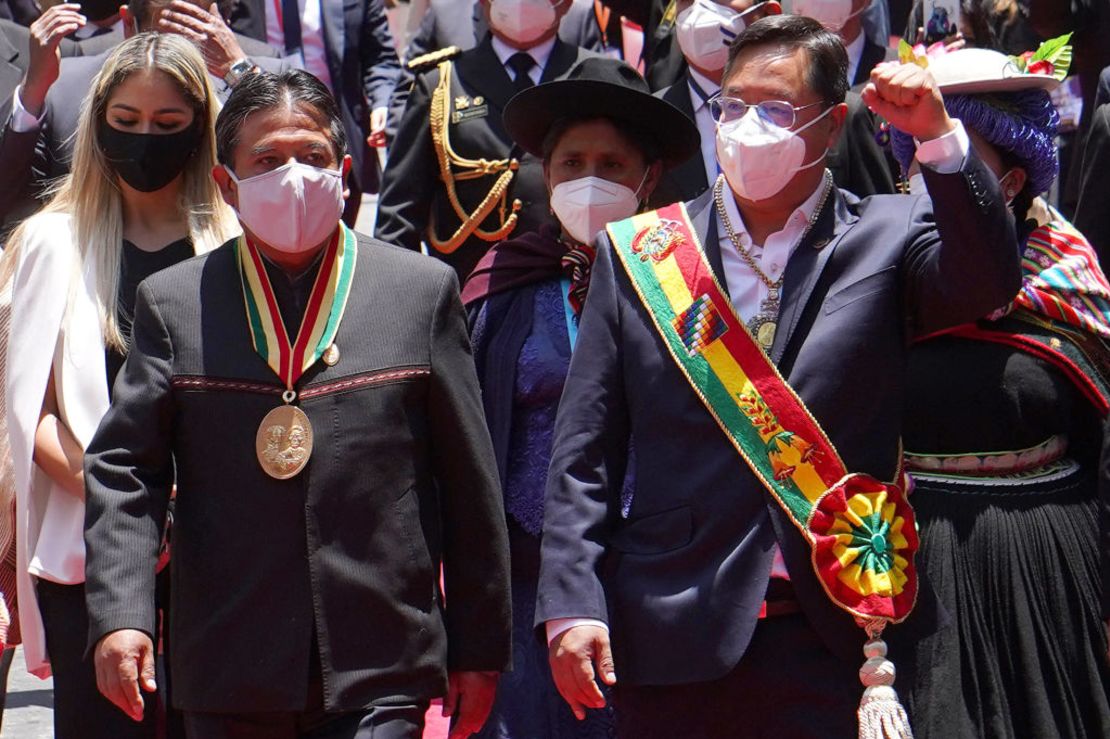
[(455, 180)]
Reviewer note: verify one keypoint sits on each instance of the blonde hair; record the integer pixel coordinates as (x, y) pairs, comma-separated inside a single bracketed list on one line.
[(90, 194)]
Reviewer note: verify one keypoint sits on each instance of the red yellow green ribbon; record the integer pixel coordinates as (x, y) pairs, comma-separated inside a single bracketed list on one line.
[(861, 531), (290, 358)]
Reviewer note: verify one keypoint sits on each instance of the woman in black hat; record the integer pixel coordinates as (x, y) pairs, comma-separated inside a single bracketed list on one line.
[(604, 141)]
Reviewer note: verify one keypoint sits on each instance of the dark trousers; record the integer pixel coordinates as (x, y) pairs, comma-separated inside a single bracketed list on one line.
[(787, 684), (383, 722), (80, 711)]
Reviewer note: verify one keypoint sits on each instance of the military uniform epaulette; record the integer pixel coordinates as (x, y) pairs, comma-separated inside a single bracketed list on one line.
[(425, 62)]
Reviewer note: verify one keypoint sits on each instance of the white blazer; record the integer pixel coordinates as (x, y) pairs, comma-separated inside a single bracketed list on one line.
[(55, 326)]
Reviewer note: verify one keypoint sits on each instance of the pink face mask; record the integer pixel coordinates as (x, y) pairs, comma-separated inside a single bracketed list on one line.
[(292, 208), (522, 21)]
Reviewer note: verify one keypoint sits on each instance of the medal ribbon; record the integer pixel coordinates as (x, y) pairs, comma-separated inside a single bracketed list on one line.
[(861, 531), (326, 303)]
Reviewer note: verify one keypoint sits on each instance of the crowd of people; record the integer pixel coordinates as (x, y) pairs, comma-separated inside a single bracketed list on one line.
[(703, 352)]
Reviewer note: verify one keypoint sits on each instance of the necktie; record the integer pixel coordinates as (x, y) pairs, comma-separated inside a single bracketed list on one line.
[(521, 64), (291, 25)]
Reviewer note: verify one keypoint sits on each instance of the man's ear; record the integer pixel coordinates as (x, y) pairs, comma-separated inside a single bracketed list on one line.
[(228, 189), (130, 24), (837, 116), (346, 169)]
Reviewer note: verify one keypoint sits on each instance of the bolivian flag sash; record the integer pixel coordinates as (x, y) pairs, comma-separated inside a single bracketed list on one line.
[(861, 531), (290, 358)]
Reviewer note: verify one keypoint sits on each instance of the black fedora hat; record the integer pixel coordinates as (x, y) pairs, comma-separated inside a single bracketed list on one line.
[(604, 88)]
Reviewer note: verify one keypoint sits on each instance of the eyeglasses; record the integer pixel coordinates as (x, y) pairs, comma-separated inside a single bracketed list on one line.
[(776, 112)]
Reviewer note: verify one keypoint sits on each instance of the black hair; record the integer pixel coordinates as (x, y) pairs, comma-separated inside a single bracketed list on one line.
[(827, 71), (645, 142), (264, 91)]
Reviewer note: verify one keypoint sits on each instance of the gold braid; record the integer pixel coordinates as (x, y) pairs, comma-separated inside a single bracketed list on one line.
[(470, 169)]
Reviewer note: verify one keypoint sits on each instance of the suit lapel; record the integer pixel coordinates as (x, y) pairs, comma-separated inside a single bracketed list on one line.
[(331, 15), (563, 57), (484, 71), (872, 55), (806, 264), (690, 174), (704, 220)]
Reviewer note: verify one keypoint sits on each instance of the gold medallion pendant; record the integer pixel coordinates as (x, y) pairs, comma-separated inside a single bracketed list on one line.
[(284, 442), (765, 334)]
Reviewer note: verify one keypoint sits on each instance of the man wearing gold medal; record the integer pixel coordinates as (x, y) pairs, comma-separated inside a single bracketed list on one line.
[(312, 392), (750, 346)]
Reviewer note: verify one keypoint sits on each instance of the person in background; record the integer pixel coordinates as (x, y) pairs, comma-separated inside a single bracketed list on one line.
[(1003, 432), (707, 593), (36, 140), (455, 179), (313, 393), (349, 48), (140, 197), (604, 141), (845, 19), (451, 26), (1092, 212)]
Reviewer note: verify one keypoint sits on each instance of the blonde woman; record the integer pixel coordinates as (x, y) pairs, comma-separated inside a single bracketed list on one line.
[(139, 198)]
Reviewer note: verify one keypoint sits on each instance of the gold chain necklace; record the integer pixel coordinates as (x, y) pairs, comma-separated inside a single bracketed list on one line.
[(764, 325)]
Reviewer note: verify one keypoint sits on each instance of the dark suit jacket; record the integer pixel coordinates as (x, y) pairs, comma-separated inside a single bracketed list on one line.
[(413, 196), (857, 162), (680, 581), (462, 24), (32, 159), (345, 557), (1092, 213), (362, 63), (873, 54), (108, 41)]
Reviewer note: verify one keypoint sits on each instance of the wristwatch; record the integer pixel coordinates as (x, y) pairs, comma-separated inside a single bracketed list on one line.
[(238, 71)]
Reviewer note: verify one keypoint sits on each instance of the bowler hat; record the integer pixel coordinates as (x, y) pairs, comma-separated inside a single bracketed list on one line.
[(600, 87)]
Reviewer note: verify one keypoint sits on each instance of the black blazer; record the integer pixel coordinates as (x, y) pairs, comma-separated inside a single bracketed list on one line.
[(1092, 213), (872, 55), (362, 63), (681, 579), (345, 558), (413, 196), (688, 180)]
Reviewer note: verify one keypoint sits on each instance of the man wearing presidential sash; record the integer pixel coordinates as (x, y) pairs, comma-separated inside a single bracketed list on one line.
[(741, 356), (312, 394)]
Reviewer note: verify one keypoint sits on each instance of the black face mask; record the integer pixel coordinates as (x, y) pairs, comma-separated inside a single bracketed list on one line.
[(148, 161), (98, 10)]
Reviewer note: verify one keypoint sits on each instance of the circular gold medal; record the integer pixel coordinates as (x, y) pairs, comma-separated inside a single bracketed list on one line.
[(765, 334), (284, 442)]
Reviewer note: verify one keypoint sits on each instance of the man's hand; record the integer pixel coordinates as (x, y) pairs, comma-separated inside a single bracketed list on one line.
[(469, 699), (907, 96), (573, 655), (377, 127), (125, 662), (44, 57), (205, 28)]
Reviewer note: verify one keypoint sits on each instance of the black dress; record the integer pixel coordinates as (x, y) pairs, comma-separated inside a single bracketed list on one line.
[(79, 708), (1013, 558)]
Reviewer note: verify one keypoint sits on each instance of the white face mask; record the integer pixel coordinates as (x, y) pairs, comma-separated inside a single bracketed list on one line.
[(757, 158), (585, 205), (832, 14), (704, 31), (292, 208), (522, 21)]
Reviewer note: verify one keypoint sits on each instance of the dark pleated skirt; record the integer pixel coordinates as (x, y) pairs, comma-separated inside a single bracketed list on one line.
[(1017, 568), (528, 706)]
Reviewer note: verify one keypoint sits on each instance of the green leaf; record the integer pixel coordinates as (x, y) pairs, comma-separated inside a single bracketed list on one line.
[(1057, 51), (905, 51)]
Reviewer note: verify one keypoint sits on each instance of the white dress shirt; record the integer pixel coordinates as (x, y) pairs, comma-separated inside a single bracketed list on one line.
[(540, 54), (944, 155), (701, 89), (314, 56)]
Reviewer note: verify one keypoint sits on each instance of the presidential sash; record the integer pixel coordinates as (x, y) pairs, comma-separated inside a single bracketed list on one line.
[(861, 531)]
